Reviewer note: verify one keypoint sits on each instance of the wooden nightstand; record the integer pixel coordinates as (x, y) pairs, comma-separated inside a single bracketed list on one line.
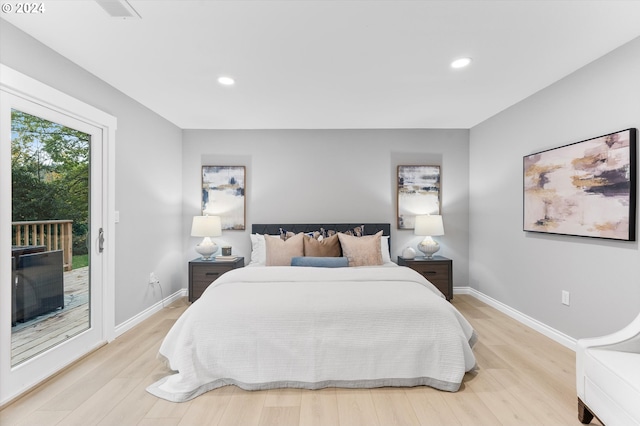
[(204, 272), (439, 271)]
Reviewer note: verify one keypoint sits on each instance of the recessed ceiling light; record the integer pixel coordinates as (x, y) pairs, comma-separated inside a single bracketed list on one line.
[(226, 81), (460, 63)]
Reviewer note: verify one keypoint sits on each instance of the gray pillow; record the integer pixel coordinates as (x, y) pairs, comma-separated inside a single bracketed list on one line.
[(320, 262)]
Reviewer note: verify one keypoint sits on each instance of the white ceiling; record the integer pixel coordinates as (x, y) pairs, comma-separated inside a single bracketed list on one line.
[(333, 64)]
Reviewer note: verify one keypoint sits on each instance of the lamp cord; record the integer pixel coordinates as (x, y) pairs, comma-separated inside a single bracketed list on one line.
[(161, 294)]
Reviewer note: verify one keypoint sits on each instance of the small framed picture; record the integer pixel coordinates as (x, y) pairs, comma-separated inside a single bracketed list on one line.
[(223, 194)]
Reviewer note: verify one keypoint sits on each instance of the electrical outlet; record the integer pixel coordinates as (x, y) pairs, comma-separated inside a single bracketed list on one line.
[(153, 279), (565, 297)]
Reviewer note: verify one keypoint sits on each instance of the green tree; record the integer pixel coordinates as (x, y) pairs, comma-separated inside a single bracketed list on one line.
[(50, 173)]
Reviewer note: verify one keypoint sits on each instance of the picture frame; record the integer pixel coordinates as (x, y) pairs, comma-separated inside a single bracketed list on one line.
[(585, 189), (418, 190), (223, 194)]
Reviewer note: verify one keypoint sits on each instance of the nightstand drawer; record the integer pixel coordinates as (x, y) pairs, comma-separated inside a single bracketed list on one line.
[(438, 271), (198, 288), (443, 286), (203, 272), (433, 271), (208, 275)]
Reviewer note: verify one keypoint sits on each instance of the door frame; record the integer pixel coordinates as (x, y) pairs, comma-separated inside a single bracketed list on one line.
[(23, 86)]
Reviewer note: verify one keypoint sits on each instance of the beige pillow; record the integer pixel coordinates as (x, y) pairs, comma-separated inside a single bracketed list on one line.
[(327, 247), (362, 251), (280, 252)]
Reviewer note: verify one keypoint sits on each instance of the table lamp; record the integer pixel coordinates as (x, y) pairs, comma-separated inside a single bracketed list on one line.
[(428, 226), (206, 227)]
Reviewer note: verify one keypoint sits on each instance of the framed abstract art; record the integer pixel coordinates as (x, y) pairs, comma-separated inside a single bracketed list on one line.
[(223, 194), (586, 188), (418, 193)]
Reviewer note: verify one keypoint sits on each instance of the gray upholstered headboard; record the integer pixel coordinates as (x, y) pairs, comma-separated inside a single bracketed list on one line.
[(274, 228)]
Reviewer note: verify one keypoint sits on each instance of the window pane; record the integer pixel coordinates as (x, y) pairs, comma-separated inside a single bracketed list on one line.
[(50, 226)]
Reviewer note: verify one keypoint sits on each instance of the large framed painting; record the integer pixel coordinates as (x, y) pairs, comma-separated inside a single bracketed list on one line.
[(418, 193), (223, 194), (586, 188)]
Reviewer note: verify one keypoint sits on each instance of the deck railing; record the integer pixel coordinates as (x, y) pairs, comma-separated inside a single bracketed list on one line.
[(54, 234)]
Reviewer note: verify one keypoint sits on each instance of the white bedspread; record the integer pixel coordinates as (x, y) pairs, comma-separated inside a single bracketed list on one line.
[(268, 327)]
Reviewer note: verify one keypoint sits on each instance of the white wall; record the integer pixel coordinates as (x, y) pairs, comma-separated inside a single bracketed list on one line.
[(148, 173), (527, 271), (298, 176)]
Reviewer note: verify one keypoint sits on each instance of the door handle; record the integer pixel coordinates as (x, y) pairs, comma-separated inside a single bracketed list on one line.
[(101, 240)]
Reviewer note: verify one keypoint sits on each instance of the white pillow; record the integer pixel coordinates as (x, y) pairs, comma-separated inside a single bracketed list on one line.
[(258, 250), (384, 248)]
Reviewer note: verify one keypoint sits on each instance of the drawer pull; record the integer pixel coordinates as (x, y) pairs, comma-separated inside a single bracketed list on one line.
[(212, 273), (429, 272)]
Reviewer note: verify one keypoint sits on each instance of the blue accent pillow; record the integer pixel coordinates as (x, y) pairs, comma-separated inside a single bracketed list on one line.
[(320, 262)]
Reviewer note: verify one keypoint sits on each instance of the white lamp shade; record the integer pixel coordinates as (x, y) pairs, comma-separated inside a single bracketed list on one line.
[(429, 225), (206, 226)]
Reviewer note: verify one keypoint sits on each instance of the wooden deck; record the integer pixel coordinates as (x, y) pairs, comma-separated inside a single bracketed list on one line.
[(43, 332)]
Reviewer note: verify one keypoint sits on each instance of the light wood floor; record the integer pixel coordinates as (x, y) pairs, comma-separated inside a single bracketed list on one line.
[(523, 378)]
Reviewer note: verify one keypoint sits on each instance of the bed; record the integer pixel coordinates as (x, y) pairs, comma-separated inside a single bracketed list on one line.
[(263, 327)]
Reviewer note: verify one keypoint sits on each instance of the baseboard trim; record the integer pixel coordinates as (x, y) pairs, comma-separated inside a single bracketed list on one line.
[(137, 319), (552, 333)]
